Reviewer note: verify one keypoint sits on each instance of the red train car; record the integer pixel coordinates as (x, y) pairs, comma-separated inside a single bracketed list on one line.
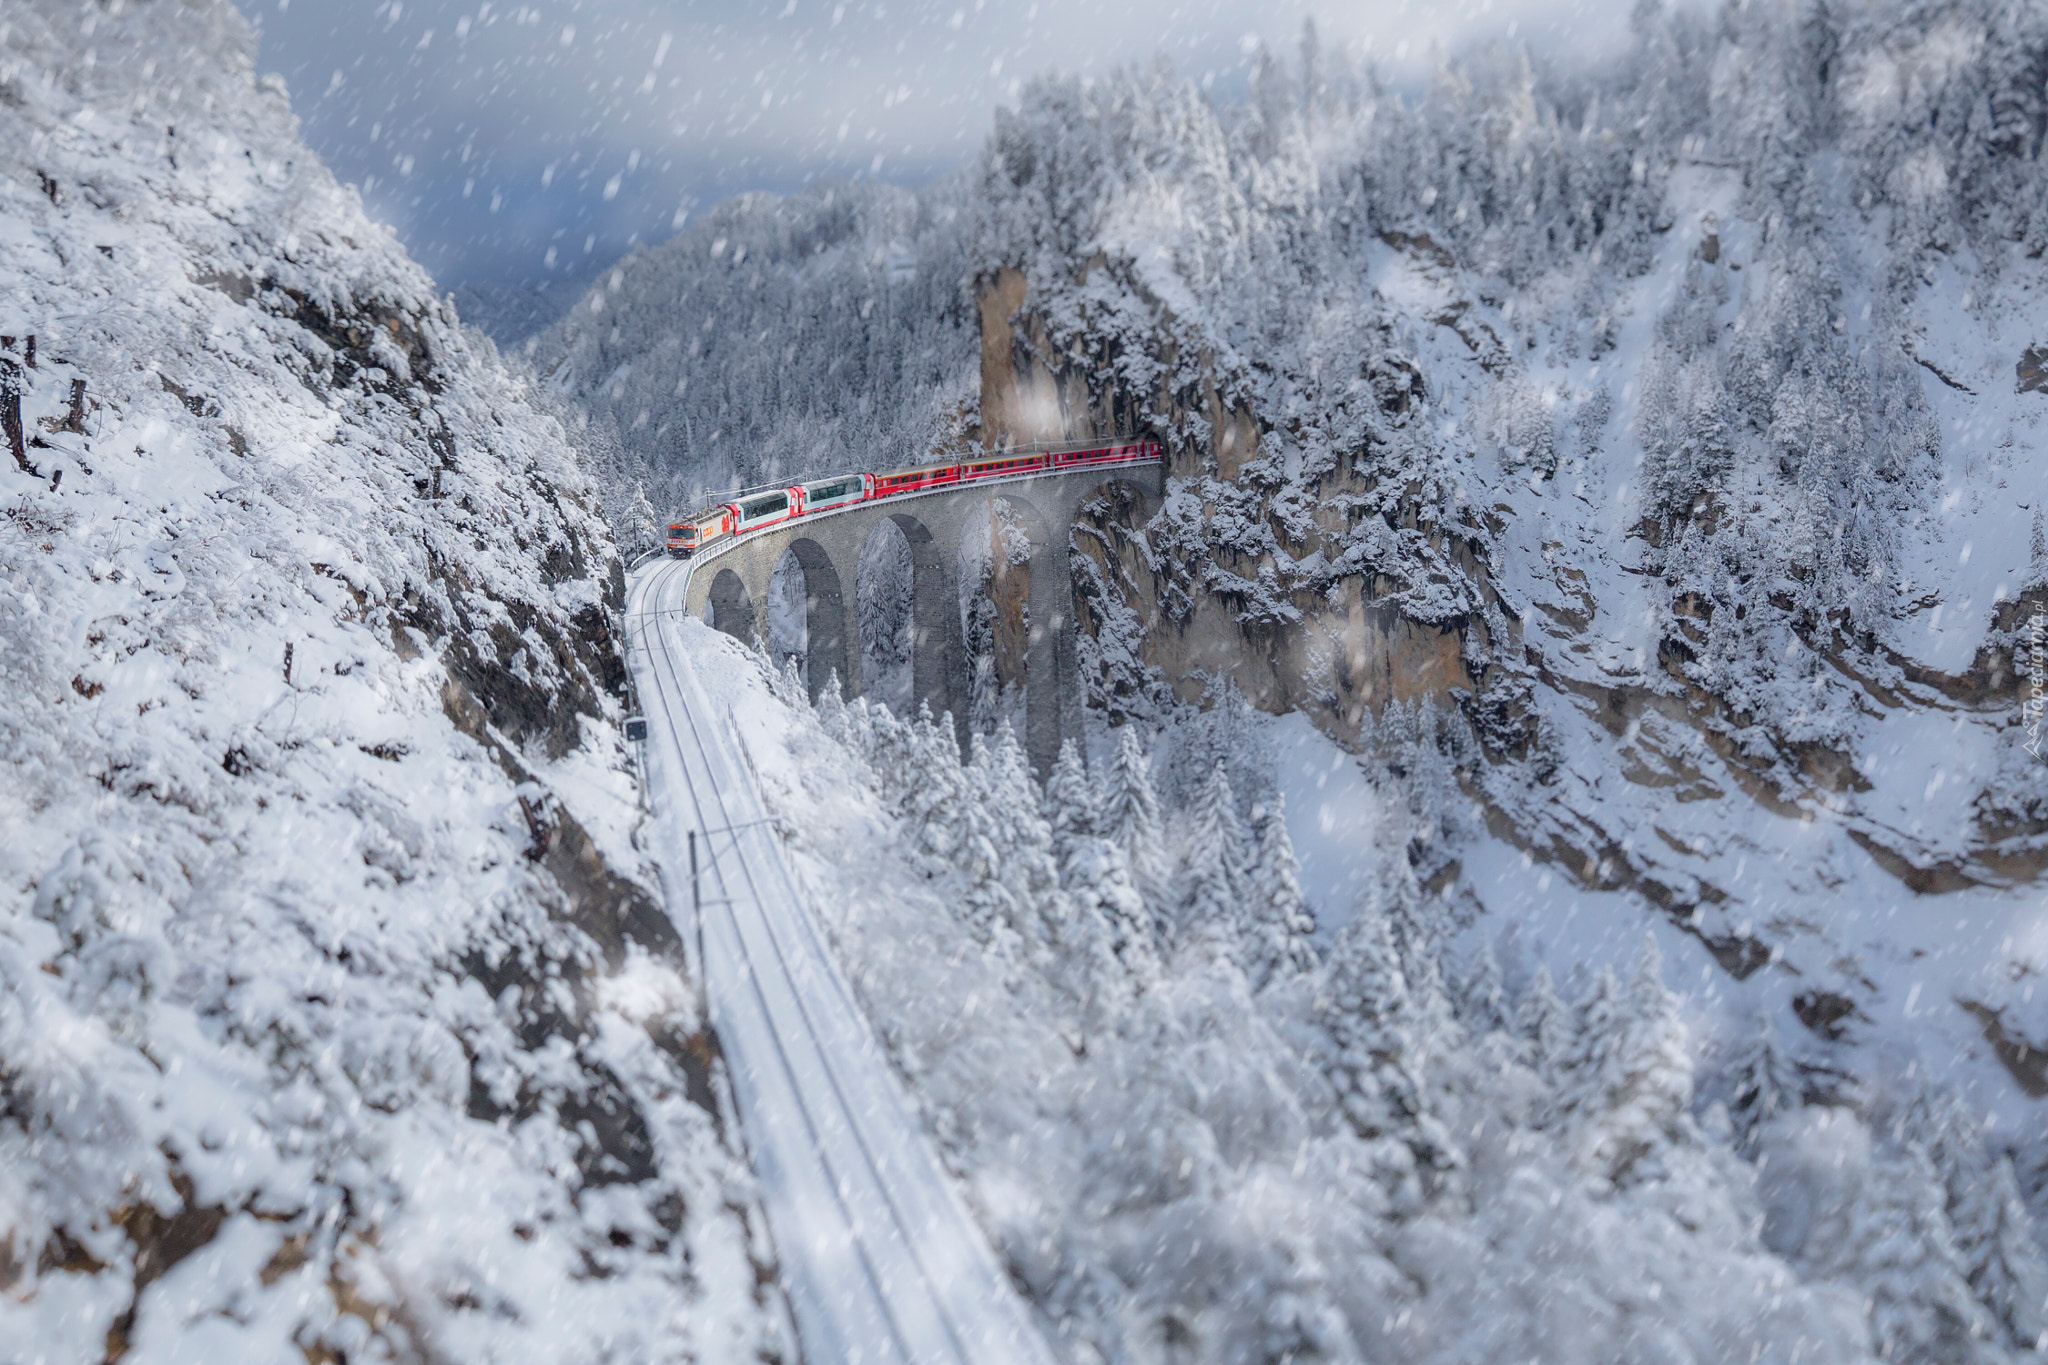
[(772, 506), (915, 480)]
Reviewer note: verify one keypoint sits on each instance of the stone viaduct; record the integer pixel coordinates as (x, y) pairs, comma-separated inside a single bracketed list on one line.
[(728, 584)]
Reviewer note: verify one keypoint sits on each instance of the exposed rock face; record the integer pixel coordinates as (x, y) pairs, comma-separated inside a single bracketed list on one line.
[(1029, 391), (1336, 652)]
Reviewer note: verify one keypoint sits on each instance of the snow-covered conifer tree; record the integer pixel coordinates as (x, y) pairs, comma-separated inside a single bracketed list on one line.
[(1365, 1008), (1025, 838), (831, 707), (1420, 929), (1094, 873), (1130, 812), (642, 531), (2002, 1257), (1482, 997), (1070, 804), (934, 787), (1277, 925), (1629, 1081), (1886, 1234), (1994, 1235), (993, 902), (789, 683), (1213, 888), (1765, 1083), (1542, 1019), (1591, 1062)]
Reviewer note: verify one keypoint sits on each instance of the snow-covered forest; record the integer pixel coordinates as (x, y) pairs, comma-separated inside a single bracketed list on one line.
[(1201, 1129)]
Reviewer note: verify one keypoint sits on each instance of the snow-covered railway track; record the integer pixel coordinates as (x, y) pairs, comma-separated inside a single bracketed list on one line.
[(880, 1259)]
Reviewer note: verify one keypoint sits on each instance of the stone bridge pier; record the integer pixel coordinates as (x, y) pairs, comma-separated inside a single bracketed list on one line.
[(729, 588)]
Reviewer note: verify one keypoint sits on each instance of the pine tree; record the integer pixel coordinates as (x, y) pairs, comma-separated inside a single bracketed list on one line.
[(1095, 874), (992, 901), (1887, 1235), (1214, 885), (1130, 812), (934, 791), (642, 531), (1482, 997), (2002, 1258), (1765, 1084), (832, 716), (1542, 1019), (1070, 805), (1657, 1077), (788, 684), (1629, 1081), (1365, 1010), (1277, 924), (1591, 1061), (1025, 836), (1420, 930)]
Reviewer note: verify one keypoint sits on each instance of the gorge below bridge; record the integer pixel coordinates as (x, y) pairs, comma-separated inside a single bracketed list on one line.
[(730, 582)]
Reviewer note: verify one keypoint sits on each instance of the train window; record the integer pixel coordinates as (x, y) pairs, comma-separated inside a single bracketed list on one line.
[(761, 507)]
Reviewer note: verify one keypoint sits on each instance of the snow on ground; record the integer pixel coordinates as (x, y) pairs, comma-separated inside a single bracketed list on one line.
[(1334, 816), (1177, 1165), (1793, 869), (333, 1021)]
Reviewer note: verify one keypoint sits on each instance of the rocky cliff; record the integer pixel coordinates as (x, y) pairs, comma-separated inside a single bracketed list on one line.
[(337, 1017), (1677, 487)]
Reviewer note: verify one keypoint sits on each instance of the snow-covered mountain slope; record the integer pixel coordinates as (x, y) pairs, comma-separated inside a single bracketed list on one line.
[(1639, 471), (335, 1021), (1670, 435), (1201, 1130), (1671, 424)]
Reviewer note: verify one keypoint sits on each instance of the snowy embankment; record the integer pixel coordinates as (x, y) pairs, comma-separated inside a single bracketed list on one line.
[(879, 1260), (334, 1022)]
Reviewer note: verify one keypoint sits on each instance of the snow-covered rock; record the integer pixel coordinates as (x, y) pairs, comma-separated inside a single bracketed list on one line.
[(336, 1018)]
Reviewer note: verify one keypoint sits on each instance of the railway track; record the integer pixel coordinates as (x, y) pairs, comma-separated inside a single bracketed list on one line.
[(880, 1259)]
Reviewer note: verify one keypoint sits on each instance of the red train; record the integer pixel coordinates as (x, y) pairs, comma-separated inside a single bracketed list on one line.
[(771, 506)]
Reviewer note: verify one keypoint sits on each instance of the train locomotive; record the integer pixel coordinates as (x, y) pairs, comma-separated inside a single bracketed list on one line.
[(761, 508)]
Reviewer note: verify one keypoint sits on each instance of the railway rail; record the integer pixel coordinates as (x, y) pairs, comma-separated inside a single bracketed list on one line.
[(881, 1260)]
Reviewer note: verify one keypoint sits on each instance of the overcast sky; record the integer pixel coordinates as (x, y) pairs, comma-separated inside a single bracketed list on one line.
[(509, 142)]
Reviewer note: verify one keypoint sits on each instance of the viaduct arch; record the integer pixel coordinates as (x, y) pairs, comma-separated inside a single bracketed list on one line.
[(730, 585)]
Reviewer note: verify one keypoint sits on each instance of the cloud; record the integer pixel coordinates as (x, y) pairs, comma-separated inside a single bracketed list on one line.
[(495, 133)]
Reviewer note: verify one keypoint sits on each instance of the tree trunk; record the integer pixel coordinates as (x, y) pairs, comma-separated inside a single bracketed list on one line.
[(10, 412)]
